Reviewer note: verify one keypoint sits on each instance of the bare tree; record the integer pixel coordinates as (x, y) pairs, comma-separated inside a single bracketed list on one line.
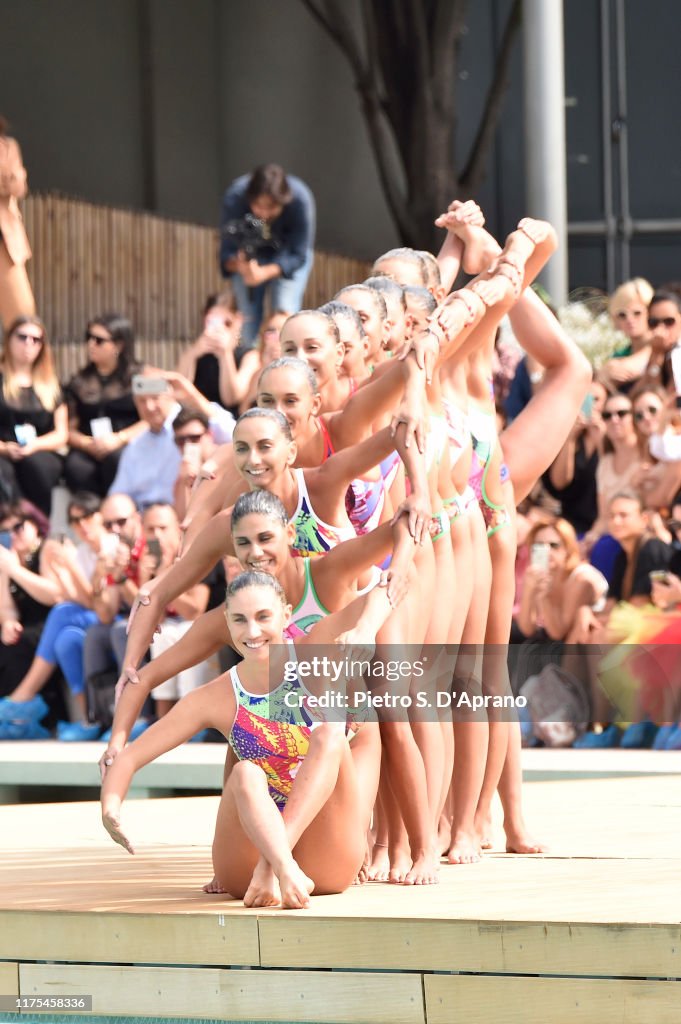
[(404, 57)]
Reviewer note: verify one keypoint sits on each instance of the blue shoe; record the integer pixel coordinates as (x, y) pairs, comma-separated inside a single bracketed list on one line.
[(138, 728), (23, 710), (77, 732), (639, 736), (610, 737), (664, 734), (23, 731), (674, 741)]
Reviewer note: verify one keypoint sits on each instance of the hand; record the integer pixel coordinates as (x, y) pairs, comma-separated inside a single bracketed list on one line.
[(103, 446), (13, 451), (10, 632), (255, 274), (143, 598), (668, 594), (357, 645), (107, 759), (587, 626), (419, 513), (218, 338), (413, 416), (457, 312), (112, 824), (495, 289), (9, 560), (426, 349), (459, 215), (537, 579), (128, 675)]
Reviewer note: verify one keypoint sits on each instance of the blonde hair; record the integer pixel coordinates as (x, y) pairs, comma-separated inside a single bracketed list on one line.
[(44, 380), (636, 289), (567, 536)]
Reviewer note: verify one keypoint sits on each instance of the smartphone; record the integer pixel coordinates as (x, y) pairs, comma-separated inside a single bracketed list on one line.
[(192, 455), (154, 549), (539, 556), (676, 368), (109, 546), (142, 385), (5, 539), (587, 406), (659, 576)]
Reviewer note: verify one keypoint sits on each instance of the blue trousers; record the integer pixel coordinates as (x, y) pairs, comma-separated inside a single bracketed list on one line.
[(62, 640), (285, 295)]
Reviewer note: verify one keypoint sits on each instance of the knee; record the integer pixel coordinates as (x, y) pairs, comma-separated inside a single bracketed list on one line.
[(245, 777), (329, 738)]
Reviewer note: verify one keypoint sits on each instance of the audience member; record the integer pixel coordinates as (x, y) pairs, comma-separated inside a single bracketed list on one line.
[(664, 321), (267, 244), (209, 362), (102, 414), (148, 467), (243, 380), (33, 415), (192, 437), (628, 308)]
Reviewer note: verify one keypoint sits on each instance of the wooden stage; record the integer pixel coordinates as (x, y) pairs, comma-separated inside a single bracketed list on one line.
[(588, 933)]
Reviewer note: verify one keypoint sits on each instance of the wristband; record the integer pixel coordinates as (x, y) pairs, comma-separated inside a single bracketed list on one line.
[(461, 296)]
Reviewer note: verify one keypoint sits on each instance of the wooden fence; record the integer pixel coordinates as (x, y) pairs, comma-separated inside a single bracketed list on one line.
[(90, 259)]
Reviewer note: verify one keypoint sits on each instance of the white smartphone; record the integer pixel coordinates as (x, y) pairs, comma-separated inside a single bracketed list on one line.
[(109, 546), (539, 556), (142, 385)]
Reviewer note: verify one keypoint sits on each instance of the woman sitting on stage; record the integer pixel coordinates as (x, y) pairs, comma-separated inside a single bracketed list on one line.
[(297, 805)]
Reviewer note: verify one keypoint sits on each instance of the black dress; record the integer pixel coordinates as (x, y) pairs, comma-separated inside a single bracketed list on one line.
[(35, 476)]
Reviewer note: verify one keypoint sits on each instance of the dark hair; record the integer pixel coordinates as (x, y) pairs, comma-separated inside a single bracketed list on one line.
[(262, 503), (254, 579), (666, 296), (374, 295), (267, 414), (298, 365), (189, 414), (407, 255), (224, 298), (121, 330), (341, 311), (387, 286), (330, 324), (424, 299), (26, 510), (89, 502), (269, 180)]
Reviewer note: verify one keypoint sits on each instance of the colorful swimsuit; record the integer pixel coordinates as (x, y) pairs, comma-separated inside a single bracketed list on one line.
[(364, 499), (314, 537), (272, 734), (485, 441), (457, 430)]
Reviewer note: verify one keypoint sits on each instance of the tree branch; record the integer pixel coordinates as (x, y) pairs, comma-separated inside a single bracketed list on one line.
[(332, 17), (472, 174)]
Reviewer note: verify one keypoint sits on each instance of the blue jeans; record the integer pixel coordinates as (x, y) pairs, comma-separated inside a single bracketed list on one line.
[(62, 640), (286, 294)]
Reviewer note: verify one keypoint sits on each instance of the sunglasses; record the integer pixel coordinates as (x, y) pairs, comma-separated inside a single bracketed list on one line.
[(26, 338), (188, 439), (97, 338), (674, 525), (120, 523), (661, 321), (650, 410), (74, 519), (617, 414)]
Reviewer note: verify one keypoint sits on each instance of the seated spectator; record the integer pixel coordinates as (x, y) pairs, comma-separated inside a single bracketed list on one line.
[(618, 466), (664, 321), (209, 362), (161, 531), (666, 592), (63, 634), (148, 467), (33, 416), (192, 437), (115, 583), (273, 254), (243, 381), (102, 414), (660, 474), (29, 587), (572, 477), (557, 583), (628, 307)]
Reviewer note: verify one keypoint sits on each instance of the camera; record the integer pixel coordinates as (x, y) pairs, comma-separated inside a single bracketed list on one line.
[(250, 235)]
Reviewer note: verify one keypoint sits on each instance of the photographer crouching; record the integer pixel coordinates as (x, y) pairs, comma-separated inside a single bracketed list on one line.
[(267, 242)]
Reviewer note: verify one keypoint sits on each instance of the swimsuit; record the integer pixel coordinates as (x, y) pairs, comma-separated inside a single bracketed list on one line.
[(314, 537), (364, 499), (326, 436), (439, 524), (435, 441), (309, 609), (271, 734), (485, 441), (457, 431)]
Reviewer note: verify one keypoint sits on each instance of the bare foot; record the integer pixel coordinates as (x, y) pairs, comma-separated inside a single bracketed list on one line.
[(213, 886), (518, 841), (363, 873), (425, 870), (536, 230), (464, 848), (444, 830), (480, 250), (483, 828), (400, 865), (263, 888), (380, 864), (295, 887)]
